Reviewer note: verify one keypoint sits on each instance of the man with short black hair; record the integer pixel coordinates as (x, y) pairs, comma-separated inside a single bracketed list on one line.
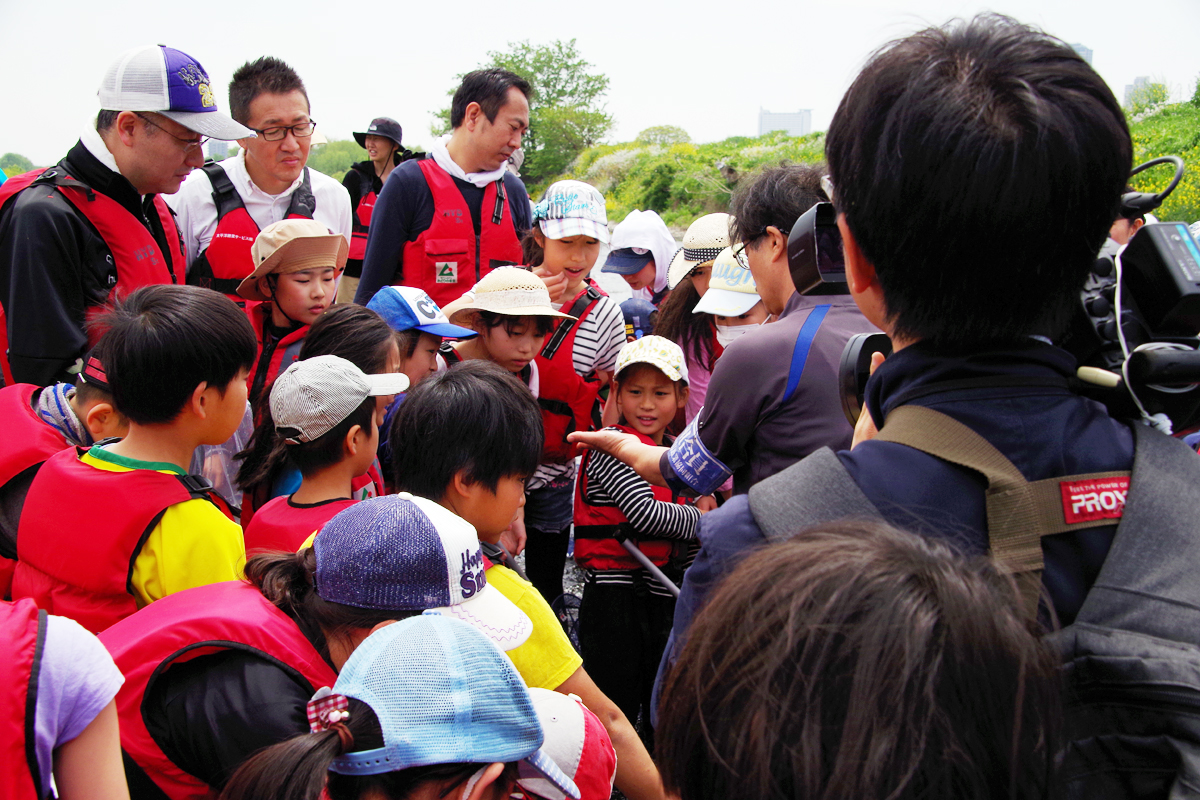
[(444, 222), (94, 223), (223, 206)]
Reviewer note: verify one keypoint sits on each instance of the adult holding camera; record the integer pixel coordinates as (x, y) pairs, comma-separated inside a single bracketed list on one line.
[(773, 397), (977, 168), (364, 181)]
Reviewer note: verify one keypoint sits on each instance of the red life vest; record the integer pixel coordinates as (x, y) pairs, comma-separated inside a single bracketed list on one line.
[(275, 355), (369, 484), (450, 257), (138, 259), (81, 530), (28, 441), (567, 399), (226, 261), (279, 525), (23, 631), (361, 221), (196, 622), (595, 527)]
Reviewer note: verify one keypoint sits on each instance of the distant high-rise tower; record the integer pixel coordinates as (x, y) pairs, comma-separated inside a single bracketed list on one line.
[(1084, 51), (217, 149), (796, 124), (1138, 83)]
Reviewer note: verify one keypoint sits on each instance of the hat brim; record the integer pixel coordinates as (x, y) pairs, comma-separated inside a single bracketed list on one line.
[(212, 124), (725, 303), (361, 138), (623, 264), (459, 310), (574, 226), (493, 615), (303, 252), (679, 269), (383, 384), (672, 372), (446, 330), (540, 765)]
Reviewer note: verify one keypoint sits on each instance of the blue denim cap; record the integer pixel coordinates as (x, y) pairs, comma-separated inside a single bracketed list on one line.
[(627, 260), (405, 553), (444, 694), (407, 307)]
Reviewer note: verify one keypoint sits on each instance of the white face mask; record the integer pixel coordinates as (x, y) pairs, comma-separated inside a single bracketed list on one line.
[(727, 333)]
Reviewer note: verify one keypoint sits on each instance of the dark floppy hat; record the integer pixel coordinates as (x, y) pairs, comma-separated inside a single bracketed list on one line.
[(380, 126)]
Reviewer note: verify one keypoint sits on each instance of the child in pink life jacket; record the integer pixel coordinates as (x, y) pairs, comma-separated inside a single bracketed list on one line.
[(40, 422), (625, 615), (326, 417), (296, 266), (351, 332)]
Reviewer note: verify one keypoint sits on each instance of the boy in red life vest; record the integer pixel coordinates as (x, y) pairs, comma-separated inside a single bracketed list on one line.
[(296, 266), (325, 413), (625, 615), (110, 529), (40, 422), (468, 438)]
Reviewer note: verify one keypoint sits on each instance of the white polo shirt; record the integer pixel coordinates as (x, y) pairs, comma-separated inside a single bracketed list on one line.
[(196, 213)]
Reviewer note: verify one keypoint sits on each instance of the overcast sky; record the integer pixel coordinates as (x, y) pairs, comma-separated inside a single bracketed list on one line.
[(704, 66)]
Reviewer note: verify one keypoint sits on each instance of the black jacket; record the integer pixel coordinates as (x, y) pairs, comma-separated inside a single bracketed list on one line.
[(54, 267)]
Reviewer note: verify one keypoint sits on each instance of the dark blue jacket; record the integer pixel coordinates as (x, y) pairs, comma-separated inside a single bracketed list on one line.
[(1044, 428)]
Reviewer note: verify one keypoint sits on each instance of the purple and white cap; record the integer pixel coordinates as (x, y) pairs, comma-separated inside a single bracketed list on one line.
[(169, 82), (406, 553)]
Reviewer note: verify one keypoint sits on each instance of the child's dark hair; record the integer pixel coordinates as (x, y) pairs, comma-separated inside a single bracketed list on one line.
[(287, 581), (326, 450), (532, 251), (857, 660), (161, 342), (677, 322), (475, 417), (490, 319), (979, 166), (298, 768), (353, 332)]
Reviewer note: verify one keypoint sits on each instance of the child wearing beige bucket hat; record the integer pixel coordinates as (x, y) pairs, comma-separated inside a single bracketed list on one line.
[(296, 266)]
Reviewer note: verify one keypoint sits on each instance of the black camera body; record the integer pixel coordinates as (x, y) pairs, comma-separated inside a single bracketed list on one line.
[(1138, 317)]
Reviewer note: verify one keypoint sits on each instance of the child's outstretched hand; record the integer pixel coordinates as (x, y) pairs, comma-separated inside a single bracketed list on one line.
[(611, 442)]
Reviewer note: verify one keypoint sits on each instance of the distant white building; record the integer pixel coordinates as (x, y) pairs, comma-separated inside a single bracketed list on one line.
[(1084, 51), (217, 149), (1138, 84), (798, 123)]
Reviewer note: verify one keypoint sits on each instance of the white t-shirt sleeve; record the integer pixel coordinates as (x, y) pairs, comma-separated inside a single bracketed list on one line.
[(77, 680)]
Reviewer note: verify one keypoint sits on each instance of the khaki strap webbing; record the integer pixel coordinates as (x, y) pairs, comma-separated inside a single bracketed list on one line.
[(1019, 512)]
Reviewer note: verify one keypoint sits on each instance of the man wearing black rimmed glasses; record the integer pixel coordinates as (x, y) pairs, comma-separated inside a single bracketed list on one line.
[(94, 223), (222, 208)]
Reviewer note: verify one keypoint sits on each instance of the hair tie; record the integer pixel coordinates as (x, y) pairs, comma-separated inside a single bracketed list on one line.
[(329, 711), (344, 735)]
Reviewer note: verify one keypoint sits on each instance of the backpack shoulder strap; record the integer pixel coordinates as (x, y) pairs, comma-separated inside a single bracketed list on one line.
[(815, 489), (1019, 512)]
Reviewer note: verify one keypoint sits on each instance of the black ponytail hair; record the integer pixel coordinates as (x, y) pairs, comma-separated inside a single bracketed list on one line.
[(298, 768)]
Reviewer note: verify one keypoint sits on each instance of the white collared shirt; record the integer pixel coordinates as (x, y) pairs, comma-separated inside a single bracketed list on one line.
[(196, 213)]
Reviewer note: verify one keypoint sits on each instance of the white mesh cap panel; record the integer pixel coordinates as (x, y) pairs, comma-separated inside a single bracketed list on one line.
[(136, 81)]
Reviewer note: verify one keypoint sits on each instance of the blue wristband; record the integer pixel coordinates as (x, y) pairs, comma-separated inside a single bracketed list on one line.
[(694, 464)]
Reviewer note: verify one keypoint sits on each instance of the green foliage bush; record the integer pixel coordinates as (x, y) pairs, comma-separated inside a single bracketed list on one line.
[(681, 180), (1172, 131), (336, 157)]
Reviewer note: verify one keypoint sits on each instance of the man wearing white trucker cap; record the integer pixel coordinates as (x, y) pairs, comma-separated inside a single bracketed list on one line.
[(94, 223)]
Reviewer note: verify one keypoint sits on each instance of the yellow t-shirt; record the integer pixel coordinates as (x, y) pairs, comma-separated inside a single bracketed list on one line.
[(193, 544), (546, 659)]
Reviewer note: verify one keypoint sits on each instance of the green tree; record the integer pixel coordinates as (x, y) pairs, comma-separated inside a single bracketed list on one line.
[(15, 164), (663, 135), (1143, 97), (335, 157), (566, 113)]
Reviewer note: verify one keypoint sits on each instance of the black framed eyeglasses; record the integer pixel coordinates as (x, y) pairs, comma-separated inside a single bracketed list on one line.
[(188, 144), (278, 133)]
